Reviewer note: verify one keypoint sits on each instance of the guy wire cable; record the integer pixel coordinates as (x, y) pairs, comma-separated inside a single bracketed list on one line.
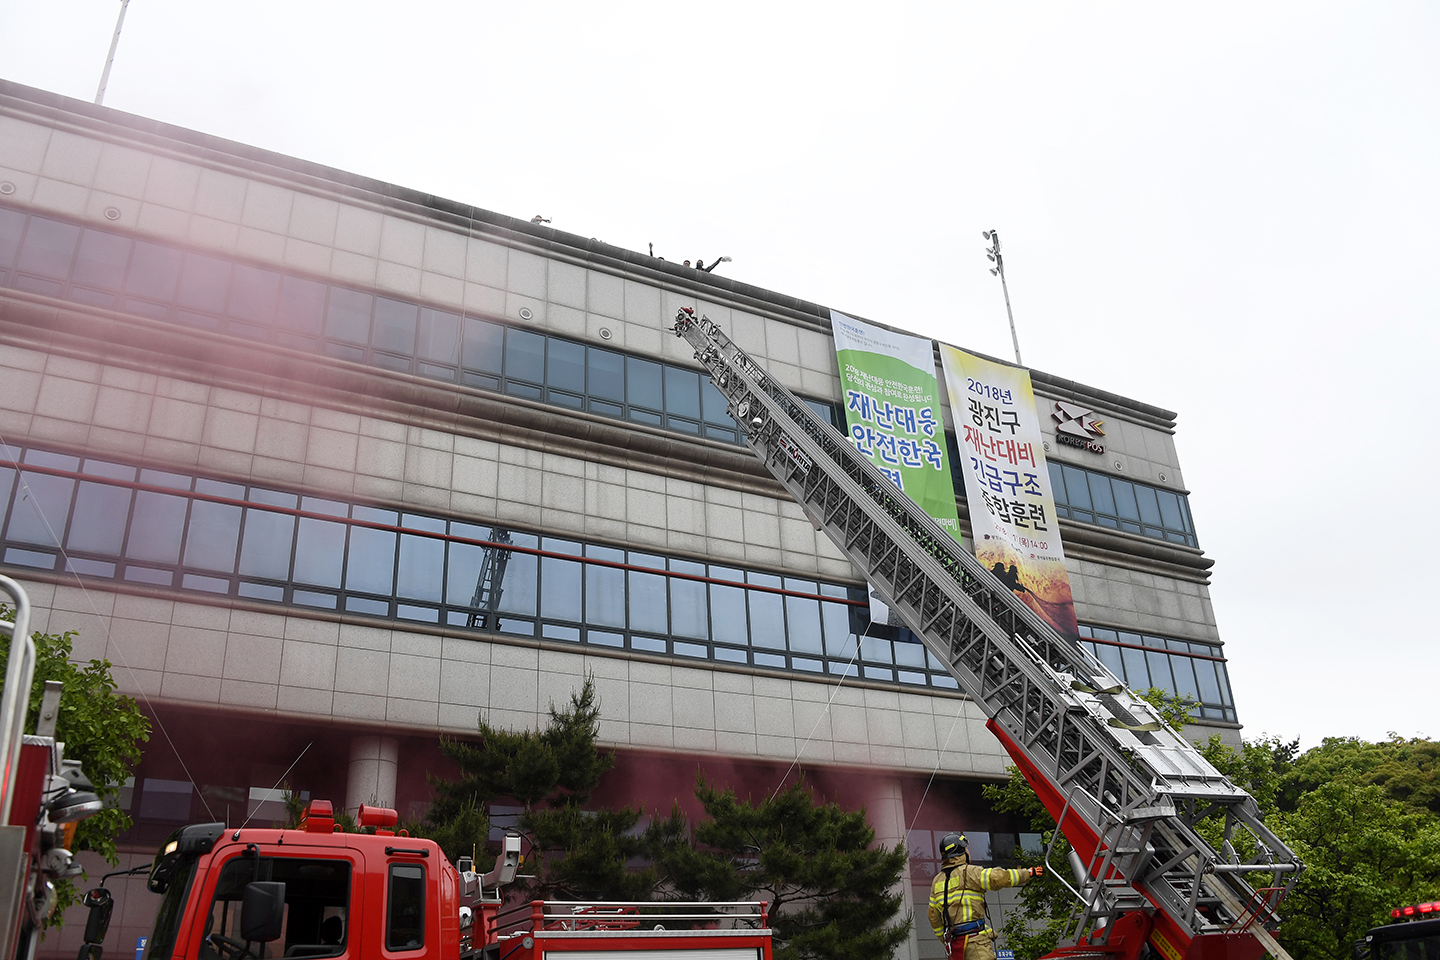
[(816, 726)]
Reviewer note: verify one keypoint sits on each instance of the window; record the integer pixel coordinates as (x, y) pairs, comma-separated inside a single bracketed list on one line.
[(1097, 498), (317, 903), (1184, 668), (405, 909), (164, 283)]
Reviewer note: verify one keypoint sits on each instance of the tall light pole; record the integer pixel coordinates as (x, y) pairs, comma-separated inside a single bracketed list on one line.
[(110, 60), (993, 252)]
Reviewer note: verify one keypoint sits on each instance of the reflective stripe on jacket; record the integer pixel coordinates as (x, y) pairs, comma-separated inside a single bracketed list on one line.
[(966, 888)]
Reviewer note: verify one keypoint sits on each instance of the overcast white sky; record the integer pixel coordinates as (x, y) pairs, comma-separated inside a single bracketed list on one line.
[(1230, 211)]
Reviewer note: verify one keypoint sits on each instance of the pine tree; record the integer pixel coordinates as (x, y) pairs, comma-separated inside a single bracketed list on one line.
[(831, 889), (573, 853)]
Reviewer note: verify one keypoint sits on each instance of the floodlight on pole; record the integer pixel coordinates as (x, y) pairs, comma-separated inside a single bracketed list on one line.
[(992, 253)]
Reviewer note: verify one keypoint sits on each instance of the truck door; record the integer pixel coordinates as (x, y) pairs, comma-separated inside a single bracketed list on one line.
[(322, 894), (404, 884)]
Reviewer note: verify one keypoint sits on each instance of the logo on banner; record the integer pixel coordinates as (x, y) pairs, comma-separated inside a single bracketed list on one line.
[(1076, 426)]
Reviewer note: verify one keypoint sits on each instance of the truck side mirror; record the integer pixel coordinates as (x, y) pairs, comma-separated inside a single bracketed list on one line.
[(262, 912)]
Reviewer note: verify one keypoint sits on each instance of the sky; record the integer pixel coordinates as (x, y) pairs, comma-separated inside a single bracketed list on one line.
[(1230, 210)]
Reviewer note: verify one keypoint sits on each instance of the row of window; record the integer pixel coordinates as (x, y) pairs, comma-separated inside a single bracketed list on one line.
[(1188, 669), (118, 521), (162, 282), (1098, 498), (93, 266), (121, 522)]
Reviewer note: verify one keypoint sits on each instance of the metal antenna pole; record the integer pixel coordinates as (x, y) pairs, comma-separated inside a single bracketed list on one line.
[(110, 60), (993, 252)]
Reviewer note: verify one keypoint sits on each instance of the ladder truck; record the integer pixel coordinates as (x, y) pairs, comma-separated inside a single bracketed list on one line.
[(1125, 790)]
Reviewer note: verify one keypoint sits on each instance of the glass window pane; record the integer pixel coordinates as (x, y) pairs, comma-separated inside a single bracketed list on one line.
[(439, 336), (320, 545), (1149, 508), (1125, 499), (302, 304), (214, 529), (204, 283), (348, 315), (1110, 656), (253, 293), (463, 571), (422, 567), (405, 914), (49, 248), (12, 223), (604, 588), (727, 608), (840, 639), (560, 582), (1057, 481), (1101, 495), (1137, 675), (822, 410), (682, 392), (484, 342), (370, 561), (689, 612), (102, 260), (1208, 685), (265, 549), (519, 588), (714, 404), (767, 613), (42, 505), (524, 356), (802, 618), (156, 527), (100, 514), (1170, 510), (1076, 487), (1184, 671), (1159, 664), (649, 611), (642, 383), (565, 366), (394, 325), (607, 374), (154, 271)]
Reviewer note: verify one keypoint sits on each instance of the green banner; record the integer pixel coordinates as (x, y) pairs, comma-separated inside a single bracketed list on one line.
[(892, 411)]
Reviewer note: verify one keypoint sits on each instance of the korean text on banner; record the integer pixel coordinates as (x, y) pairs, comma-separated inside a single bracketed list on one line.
[(892, 399), (1012, 509)]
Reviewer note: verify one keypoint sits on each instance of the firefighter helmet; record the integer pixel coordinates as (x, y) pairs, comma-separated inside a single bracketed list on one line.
[(952, 845)]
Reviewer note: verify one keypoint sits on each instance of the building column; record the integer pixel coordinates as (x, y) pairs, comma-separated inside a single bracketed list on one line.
[(373, 765), (885, 806)]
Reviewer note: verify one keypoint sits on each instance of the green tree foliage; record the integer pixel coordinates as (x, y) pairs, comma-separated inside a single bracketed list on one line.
[(1364, 853), (574, 853), (831, 888), (100, 728)]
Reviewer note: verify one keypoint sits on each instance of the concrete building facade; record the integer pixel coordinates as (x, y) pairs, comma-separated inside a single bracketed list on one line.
[(265, 426)]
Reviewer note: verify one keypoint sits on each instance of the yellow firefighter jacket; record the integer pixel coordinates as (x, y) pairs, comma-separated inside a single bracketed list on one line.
[(961, 886)]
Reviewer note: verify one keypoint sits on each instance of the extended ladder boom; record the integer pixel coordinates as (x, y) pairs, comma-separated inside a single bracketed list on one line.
[(1127, 791)]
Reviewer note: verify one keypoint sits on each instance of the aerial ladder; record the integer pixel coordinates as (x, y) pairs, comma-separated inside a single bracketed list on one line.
[(1128, 792)]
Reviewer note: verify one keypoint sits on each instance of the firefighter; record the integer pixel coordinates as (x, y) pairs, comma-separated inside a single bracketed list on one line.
[(957, 899)]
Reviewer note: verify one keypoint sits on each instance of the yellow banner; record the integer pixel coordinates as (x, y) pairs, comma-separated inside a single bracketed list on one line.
[(1002, 457)]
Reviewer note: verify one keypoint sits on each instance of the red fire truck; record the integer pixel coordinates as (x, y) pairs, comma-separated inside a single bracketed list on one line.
[(314, 892)]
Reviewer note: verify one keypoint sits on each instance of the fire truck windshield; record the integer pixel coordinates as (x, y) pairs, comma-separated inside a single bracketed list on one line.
[(171, 912)]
